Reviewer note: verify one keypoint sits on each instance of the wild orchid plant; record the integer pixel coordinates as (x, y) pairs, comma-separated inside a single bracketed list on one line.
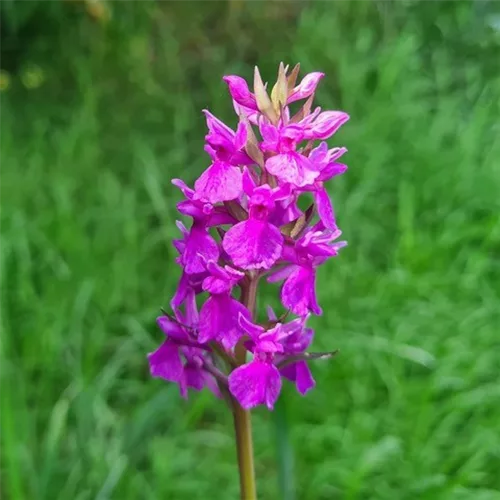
[(247, 225)]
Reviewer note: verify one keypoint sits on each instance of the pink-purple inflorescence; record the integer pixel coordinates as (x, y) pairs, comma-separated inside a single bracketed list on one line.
[(246, 224)]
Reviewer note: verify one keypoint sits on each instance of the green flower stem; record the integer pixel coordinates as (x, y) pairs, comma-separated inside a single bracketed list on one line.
[(242, 418), (244, 446)]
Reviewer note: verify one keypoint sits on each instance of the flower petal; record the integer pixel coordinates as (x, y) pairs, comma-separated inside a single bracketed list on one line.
[(300, 374), (251, 114), (318, 156), (195, 376), (222, 279), (189, 284), (255, 383), (240, 139), (253, 244), (255, 331), (220, 182), (220, 134), (298, 292), (293, 168), (186, 190), (248, 182), (171, 328), (299, 338), (306, 87), (166, 362), (331, 170), (271, 314), (219, 320), (200, 247), (280, 274), (270, 136), (325, 125), (238, 88), (325, 208)]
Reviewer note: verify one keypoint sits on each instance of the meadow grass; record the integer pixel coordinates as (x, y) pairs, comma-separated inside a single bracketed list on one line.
[(410, 407)]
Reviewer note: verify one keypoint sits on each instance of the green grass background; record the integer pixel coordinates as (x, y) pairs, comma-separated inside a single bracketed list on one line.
[(100, 114)]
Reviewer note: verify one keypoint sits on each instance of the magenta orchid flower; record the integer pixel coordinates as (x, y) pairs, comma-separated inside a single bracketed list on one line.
[(222, 180), (256, 243), (219, 314), (245, 221), (299, 289), (259, 381), (181, 358), (324, 161), (297, 341), (286, 163)]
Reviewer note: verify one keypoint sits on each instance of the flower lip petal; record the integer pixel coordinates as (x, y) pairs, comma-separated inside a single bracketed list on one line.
[(166, 362), (219, 317), (255, 383), (253, 244), (292, 168), (199, 243), (220, 182)]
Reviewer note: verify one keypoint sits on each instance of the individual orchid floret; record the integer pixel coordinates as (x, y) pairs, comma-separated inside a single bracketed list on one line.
[(180, 358), (199, 247), (219, 314), (222, 180), (324, 160), (256, 243), (298, 338), (298, 292), (201, 211), (286, 163), (259, 381), (224, 144), (188, 283)]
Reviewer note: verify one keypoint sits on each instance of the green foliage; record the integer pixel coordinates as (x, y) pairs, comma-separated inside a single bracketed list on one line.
[(409, 409)]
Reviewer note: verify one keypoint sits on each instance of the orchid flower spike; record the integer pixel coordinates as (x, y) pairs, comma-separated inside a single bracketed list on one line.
[(242, 224)]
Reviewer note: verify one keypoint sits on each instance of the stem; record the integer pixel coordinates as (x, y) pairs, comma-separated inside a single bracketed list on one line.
[(242, 418), (244, 446), (249, 293)]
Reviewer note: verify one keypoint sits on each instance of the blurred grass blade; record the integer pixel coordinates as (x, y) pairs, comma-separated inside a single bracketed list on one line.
[(284, 449)]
